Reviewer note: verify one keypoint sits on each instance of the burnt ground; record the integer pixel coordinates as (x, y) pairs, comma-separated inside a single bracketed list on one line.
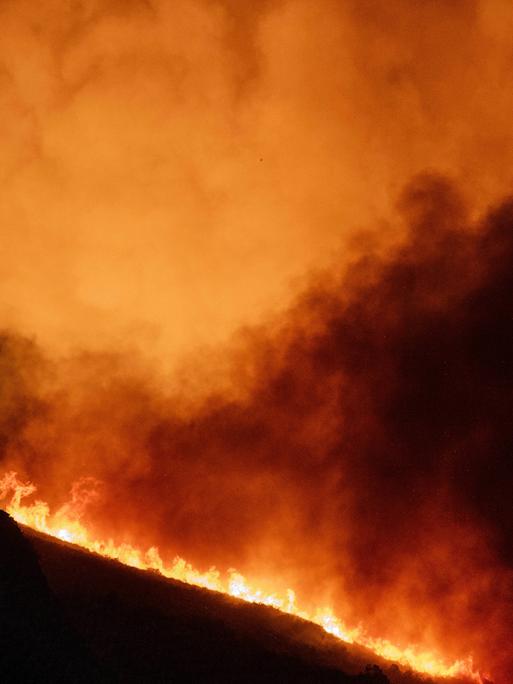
[(71, 616)]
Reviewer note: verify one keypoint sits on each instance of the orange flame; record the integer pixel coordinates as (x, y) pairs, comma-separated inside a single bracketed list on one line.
[(67, 526)]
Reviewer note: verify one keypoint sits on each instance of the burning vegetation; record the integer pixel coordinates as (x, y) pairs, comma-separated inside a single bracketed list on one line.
[(344, 443)]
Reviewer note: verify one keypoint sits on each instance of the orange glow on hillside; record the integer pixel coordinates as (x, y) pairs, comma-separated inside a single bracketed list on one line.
[(66, 525)]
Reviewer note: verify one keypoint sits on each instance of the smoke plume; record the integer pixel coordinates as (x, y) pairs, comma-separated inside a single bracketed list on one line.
[(214, 305), (366, 451), (168, 170)]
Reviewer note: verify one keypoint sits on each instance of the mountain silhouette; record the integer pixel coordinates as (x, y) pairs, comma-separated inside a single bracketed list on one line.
[(70, 616)]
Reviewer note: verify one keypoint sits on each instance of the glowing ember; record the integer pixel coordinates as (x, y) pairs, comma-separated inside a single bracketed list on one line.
[(65, 524)]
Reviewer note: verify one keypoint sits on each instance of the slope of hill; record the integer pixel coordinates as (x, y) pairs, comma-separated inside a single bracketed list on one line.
[(104, 621)]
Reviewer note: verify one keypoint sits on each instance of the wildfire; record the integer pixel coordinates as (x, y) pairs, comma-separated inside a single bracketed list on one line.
[(66, 524)]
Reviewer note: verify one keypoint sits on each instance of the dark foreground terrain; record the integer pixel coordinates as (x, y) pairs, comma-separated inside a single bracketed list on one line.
[(70, 616)]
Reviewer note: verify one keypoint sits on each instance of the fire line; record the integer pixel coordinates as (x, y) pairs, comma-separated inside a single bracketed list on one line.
[(65, 524)]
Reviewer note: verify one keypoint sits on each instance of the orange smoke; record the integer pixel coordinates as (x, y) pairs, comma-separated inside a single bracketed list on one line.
[(169, 169), (212, 304), (362, 458)]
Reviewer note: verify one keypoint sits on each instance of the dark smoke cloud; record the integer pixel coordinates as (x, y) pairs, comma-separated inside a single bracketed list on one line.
[(365, 456)]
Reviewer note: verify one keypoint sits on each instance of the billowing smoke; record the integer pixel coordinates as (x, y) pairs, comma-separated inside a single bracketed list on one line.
[(172, 172), (168, 169), (365, 456)]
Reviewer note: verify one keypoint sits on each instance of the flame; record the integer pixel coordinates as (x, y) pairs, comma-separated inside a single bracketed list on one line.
[(66, 525)]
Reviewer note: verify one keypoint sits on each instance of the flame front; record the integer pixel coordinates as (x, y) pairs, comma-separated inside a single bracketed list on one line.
[(66, 524)]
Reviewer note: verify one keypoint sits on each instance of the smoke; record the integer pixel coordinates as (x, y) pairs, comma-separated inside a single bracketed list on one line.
[(171, 172), (365, 455), (169, 169)]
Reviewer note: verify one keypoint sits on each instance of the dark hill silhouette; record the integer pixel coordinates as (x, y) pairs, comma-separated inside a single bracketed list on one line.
[(140, 627)]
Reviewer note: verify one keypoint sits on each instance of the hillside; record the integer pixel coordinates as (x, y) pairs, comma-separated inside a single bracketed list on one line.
[(122, 624)]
